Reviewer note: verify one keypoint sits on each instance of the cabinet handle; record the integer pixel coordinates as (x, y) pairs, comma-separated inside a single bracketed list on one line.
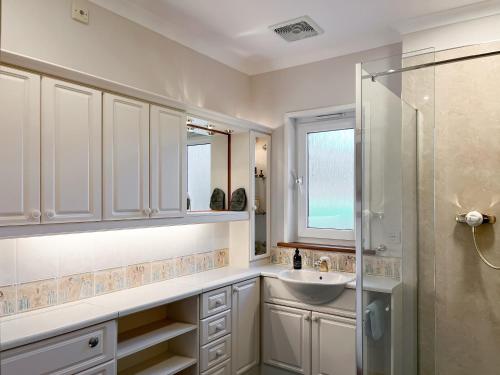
[(93, 342), (316, 319), (218, 302), (218, 353), (147, 211), (236, 289), (50, 214), (219, 327), (307, 318), (35, 214), (155, 211)]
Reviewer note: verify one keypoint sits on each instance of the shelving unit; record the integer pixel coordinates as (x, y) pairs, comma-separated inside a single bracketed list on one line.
[(149, 335), (162, 340), (161, 365)]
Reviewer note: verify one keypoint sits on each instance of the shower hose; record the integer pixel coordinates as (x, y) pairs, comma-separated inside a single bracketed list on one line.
[(480, 253)]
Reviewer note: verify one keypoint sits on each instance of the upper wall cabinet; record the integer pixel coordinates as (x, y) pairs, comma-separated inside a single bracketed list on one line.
[(71, 152), (126, 158), (19, 147), (168, 162)]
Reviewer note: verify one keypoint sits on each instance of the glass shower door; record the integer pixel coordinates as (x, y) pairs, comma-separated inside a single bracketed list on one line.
[(395, 182)]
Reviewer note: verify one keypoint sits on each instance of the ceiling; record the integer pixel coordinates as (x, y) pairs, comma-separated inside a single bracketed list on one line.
[(236, 32)]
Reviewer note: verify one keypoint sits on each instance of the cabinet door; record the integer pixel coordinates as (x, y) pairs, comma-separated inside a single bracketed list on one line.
[(167, 165), (71, 152), (245, 325), (19, 147), (287, 338), (126, 158), (333, 345)]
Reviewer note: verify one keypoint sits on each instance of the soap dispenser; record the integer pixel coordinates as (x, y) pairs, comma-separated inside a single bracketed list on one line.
[(297, 260)]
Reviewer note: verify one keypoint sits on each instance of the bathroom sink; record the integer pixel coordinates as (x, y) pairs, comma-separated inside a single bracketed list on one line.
[(315, 287)]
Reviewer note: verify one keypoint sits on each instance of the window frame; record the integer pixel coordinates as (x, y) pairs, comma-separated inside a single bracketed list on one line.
[(303, 130)]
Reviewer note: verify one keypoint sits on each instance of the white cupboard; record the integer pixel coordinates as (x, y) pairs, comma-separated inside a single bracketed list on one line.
[(167, 162), (19, 147), (70, 152), (245, 325), (286, 341), (126, 158), (333, 340)]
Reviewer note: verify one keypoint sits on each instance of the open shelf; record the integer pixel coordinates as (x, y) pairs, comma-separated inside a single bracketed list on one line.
[(148, 335), (166, 364)]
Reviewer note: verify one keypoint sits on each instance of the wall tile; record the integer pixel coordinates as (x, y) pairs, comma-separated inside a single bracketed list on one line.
[(138, 274), (8, 300), (75, 287), (7, 262), (163, 270), (185, 265), (37, 259), (204, 261), (221, 258), (76, 254), (36, 295), (109, 280)]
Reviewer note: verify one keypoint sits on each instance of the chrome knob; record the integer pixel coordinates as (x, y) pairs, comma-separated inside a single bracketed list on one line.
[(147, 211), (219, 327), (35, 214), (93, 342), (308, 318), (50, 214), (218, 302), (155, 211), (316, 319), (219, 352)]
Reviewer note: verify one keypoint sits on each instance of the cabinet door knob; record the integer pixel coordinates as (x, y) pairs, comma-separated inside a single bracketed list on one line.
[(316, 319), (35, 214), (219, 327), (93, 342), (308, 318), (218, 302), (50, 214), (147, 211), (218, 353), (155, 211)]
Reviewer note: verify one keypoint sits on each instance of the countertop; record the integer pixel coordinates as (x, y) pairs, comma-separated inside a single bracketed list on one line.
[(26, 328)]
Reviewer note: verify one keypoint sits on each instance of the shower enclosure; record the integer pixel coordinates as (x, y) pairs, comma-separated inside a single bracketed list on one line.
[(428, 148)]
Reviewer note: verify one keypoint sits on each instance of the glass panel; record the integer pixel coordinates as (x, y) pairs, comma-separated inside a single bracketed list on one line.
[(199, 182), (261, 186), (397, 247), (331, 179)]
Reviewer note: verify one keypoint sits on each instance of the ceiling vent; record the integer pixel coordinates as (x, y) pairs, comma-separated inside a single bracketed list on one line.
[(297, 29)]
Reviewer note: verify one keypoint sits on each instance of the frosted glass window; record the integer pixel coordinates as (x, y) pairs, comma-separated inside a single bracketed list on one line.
[(330, 168), (199, 176)]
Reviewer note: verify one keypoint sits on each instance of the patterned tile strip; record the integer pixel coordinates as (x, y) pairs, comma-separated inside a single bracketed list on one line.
[(38, 294)]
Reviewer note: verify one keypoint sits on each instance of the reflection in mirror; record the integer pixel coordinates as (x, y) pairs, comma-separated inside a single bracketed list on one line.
[(261, 187), (207, 166)]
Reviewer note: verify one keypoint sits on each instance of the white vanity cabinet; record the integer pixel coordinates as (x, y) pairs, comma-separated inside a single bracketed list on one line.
[(168, 162), (19, 147), (126, 158), (286, 341), (246, 325), (308, 339), (71, 152)]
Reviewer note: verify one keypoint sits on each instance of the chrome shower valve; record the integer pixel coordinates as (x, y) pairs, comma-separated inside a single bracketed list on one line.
[(475, 218)]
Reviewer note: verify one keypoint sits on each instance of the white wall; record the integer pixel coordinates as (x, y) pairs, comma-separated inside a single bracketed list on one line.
[(117, 49), (476, 31)]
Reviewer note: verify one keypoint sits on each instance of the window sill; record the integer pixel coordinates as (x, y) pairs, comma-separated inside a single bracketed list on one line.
[(322, 247)]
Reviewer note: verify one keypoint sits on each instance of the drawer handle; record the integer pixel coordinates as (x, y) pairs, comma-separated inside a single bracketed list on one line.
[(219, 327), (219, 353), (218, 302), (93, 342)]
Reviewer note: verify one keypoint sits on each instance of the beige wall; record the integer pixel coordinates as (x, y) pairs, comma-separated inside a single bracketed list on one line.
[(117, 49), (320, 84)]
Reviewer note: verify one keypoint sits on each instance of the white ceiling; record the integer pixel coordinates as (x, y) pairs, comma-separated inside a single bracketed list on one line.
[(236, 32)]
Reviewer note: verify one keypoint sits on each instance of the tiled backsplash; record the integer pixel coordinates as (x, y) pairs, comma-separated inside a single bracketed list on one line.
[(341, 262), (43, 293), (43, 271)]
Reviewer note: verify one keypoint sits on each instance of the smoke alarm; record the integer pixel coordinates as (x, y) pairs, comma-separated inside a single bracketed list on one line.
[(297, 29)]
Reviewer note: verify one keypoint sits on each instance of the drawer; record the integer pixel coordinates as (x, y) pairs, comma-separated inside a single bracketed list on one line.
[(66, 354), (215, 301), (215, 326), (108, 368), (223, 369), (215, 353)]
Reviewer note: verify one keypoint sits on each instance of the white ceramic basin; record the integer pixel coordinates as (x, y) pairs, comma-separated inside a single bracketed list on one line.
[(314, 287)]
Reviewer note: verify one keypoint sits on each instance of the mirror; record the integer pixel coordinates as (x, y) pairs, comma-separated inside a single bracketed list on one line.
[(261, 194), (208, 150)]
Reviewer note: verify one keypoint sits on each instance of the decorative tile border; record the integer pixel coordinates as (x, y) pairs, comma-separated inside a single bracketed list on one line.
[(38, 294), (340, 262)]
